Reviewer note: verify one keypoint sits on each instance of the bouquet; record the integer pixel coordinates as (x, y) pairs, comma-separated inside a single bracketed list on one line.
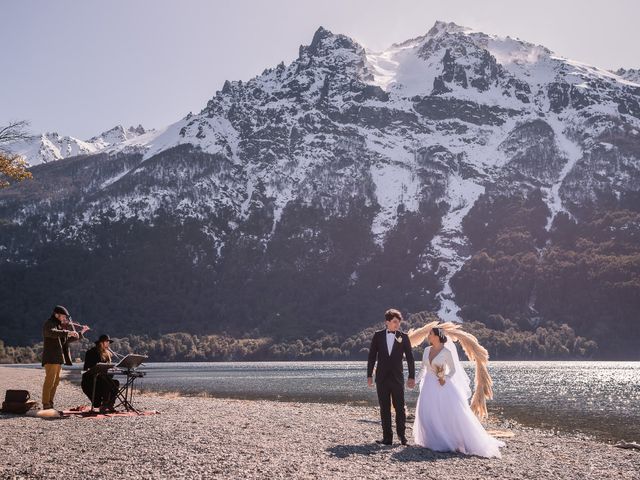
[(440, 373)]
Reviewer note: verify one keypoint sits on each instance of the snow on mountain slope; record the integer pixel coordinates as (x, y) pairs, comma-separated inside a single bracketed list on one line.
[(117, 135), (49, 147)]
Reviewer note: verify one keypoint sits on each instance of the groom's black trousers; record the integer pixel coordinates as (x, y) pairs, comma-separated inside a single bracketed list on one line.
[(391, 392)]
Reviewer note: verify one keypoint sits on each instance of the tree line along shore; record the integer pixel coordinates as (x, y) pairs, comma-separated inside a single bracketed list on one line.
[(505, 341)]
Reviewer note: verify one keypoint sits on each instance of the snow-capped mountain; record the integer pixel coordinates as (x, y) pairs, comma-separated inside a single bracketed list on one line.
[(357, 180), (49, 147), (117, 136)]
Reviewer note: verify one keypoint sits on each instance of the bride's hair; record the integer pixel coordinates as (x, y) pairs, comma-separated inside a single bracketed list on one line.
[(474, 352), (440, 333)]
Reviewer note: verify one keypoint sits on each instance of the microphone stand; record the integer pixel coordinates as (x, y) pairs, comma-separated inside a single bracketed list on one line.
[(118, 355)]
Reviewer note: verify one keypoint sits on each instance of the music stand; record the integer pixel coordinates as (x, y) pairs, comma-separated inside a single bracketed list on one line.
[(128, 367), (131, 361), (96, 370)]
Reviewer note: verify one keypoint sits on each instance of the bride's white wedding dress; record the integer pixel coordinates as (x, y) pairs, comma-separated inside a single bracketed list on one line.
[(444, 421)]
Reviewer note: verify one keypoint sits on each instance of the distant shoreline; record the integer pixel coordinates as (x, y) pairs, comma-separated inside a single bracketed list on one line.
[(78, 364)]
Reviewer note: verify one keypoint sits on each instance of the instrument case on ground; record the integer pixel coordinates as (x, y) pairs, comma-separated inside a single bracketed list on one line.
[(17, 401)]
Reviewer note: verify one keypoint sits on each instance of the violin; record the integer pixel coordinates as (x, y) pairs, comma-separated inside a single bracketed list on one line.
[(73, 325)]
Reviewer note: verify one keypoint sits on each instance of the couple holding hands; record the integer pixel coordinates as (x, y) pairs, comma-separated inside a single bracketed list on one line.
[(444, 420)]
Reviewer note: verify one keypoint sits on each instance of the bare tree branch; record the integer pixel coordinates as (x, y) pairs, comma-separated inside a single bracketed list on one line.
[(14, 131)]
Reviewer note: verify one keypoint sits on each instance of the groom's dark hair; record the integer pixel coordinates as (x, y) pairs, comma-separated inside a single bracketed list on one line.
[(391, 314)]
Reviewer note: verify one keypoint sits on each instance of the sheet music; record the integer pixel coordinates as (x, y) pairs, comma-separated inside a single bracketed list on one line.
[(131, 361)]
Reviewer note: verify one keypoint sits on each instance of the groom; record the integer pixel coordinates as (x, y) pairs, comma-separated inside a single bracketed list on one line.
[(387, 347)]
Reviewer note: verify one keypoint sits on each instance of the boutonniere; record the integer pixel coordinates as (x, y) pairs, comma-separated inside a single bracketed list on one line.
[(399, 339)]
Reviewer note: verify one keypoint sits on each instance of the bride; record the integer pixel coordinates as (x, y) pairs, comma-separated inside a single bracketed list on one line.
[(444, 421)]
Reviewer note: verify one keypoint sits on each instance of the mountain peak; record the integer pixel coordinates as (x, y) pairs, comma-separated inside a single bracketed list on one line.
[(324, 42), (629, 74), (139, 130), (441, 27), (321, 34), (116, 135)]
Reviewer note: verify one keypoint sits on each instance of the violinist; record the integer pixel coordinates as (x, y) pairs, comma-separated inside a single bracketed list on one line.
[(57, 335), (106, 388)]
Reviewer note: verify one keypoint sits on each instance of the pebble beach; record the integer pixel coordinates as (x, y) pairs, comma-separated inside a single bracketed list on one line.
[(204, 437)]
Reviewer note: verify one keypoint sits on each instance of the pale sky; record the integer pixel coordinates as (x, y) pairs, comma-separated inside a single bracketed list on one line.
[(80, 67)]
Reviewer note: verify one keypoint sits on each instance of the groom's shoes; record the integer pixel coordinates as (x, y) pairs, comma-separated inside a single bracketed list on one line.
[(403, 440), (384, 441)]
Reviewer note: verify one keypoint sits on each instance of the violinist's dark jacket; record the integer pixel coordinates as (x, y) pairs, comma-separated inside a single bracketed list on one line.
[(56, 343)]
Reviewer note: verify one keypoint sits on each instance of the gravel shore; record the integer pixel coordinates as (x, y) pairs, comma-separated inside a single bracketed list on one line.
[(197, 437)]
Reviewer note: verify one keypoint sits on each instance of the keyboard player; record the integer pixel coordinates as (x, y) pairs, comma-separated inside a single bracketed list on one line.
[(106, 387)]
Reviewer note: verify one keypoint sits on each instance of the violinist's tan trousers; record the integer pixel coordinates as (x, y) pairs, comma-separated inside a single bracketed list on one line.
[(51, 381)]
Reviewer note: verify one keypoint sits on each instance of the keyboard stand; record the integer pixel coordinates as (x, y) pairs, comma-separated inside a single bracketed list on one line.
[(127, 366), (125, 393)]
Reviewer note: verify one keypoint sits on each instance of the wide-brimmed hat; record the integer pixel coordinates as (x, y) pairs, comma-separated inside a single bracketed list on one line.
[(61, 309), (102, 338)]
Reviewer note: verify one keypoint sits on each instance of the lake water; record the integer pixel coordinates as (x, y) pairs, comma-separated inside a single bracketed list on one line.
[(598, 398)]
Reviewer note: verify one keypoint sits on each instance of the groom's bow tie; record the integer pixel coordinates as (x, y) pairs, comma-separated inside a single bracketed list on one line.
[(390, 333)]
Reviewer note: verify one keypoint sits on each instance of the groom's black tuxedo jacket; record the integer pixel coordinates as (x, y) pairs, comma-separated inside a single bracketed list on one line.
[(390, 366)]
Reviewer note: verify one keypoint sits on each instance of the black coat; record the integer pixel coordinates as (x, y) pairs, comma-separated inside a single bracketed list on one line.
[(106, 387), (91, 358), (390, 367), (56, 343)]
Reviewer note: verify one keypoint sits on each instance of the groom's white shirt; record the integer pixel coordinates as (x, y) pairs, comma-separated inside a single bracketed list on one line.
[(390, 340)]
